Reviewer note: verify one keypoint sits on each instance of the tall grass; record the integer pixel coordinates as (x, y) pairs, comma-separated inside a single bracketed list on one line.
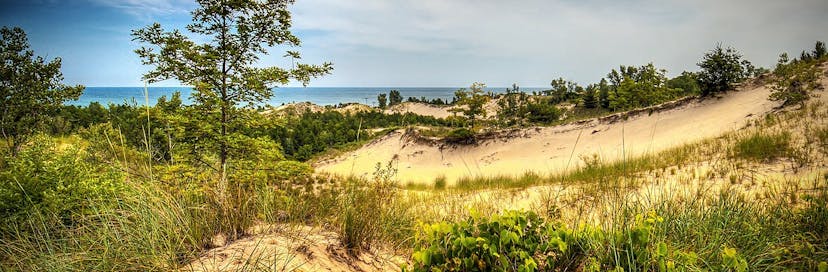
[(761, 146)]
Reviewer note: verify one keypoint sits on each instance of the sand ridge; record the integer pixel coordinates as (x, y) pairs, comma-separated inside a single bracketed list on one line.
[(559, 148)]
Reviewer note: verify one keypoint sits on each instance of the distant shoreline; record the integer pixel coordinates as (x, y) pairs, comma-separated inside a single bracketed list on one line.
[(283, 95)]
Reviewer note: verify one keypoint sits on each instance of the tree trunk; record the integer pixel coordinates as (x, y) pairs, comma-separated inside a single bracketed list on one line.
[(224, 104)]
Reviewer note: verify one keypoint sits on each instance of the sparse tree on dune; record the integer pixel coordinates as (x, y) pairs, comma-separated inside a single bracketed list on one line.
[(382, 100), (721, 68), (222, 69)]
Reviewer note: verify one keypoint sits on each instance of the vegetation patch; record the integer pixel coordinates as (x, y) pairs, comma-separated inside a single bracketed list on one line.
[(761, 146)]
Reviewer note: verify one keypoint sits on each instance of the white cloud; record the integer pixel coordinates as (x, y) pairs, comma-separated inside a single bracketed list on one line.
[(147, 9), (575, 39)]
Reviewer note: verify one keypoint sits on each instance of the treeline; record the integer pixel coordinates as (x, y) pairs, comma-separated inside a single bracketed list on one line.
[(394, 97), (299, 136), (310, 133)]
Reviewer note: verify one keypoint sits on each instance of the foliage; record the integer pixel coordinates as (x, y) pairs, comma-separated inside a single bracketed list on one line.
[(687, 82), (382, 100), (436, 101), (30, 88), (222, 70), (470, 102), (460, 136), (311, 133), (542, 112), (819, 50), (794, 81), (43, 180), (721, 68), (511, 241), (589, 97), (394, 98), (512, 106), (563, 90), (635, 87)]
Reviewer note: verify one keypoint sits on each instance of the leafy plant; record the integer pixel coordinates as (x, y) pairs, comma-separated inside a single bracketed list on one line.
[(721, 68), (510, 241), (63, 184)]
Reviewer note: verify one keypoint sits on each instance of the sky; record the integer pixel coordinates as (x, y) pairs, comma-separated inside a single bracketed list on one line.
[(442, 43)]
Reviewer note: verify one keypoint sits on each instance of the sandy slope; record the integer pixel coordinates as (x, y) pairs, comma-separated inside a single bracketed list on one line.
[(420, 109), (553, 149), (291, 248)]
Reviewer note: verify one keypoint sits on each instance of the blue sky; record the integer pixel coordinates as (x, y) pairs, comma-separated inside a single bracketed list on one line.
[(443, 43)]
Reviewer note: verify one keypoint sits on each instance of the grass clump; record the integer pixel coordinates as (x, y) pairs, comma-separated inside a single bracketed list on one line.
[(440, 182), (370, 212), (763, 147)]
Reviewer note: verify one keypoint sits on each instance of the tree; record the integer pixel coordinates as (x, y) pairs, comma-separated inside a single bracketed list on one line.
[(562, 90), (222, 70), (470, 102), (394, 98), (30, 88), (686, 82), (588, 98), (721, 69), (819, 50), (382, 100), (634, 87), (542, 112), (603, 94)]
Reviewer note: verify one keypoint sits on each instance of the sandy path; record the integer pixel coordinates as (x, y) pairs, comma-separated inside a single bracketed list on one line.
[(545, 150)]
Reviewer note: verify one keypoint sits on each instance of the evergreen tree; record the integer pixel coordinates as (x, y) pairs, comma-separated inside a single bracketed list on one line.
[(382, 100), (603, 94), (30, 88), (394, 98), (819, 50), (588, 97), (473, 99)]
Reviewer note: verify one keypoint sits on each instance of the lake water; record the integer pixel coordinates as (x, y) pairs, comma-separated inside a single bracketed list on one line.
[(316, 95)]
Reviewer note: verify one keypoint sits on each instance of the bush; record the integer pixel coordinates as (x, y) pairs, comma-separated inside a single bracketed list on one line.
[(460, 136), (511, 241), (794, 81), (43, 180), (721, 68), (543, 113)]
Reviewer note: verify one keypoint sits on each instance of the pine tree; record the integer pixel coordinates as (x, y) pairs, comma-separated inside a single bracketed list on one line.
[(382, 100)]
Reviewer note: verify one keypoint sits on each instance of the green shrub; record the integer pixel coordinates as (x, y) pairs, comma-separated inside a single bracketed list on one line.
[(763, 147), (460, 136), (542, 112), (510, 241), (43, 180), (794, 81)]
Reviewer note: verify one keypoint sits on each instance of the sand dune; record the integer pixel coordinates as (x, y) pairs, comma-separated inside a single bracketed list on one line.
[(554, 149), (420, 109)]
